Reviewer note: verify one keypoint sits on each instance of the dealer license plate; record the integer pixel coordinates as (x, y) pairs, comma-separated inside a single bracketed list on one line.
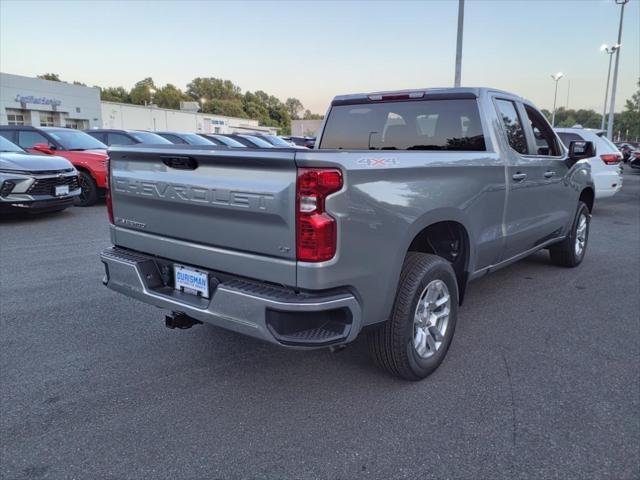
[(62, 190), (191, 281)]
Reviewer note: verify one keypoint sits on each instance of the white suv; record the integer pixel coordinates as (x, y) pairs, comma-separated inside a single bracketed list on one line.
[(606, 167)]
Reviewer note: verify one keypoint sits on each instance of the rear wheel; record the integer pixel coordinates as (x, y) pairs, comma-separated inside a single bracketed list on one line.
[(570, 252), (89, 190), (415, 340)]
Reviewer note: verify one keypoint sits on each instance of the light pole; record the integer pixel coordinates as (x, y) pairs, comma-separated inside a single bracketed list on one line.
[(153, 120), (202, 102), (610, 51), (612, 105), (458, 75), (555, 78)]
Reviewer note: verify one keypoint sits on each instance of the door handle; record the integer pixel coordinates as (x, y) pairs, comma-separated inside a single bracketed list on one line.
[(518, 177), (180, 163), (549, 174)]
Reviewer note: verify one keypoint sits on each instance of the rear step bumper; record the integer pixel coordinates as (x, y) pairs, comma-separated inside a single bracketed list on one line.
[(274, 314)]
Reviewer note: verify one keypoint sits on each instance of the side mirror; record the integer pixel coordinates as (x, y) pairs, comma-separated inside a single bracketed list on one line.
[(44, 148), (579, 150)]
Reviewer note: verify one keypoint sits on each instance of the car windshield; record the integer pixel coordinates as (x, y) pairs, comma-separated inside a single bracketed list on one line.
[(76, 140), (7, 146), (150, 138), (275, 140), (194, 139), (229, 142), (257, 141)]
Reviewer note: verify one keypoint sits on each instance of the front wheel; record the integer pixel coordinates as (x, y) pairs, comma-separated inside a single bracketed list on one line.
[(89, 190), (570, 252), (415, 340)]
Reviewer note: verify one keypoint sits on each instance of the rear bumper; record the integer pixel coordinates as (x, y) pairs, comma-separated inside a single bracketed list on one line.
[(608, 183), (277, 315)]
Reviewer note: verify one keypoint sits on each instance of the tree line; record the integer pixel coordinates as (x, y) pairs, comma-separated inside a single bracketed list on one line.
[(214, 95), (626, 124), (223, 97)]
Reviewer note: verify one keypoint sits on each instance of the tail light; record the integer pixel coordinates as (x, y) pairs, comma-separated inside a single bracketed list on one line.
[(611, 158), (316, 235), (108, 198)]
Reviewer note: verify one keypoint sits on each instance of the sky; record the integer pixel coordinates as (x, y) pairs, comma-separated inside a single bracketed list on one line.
[(316, 50)]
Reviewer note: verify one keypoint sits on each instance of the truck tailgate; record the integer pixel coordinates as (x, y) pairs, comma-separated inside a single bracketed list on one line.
[(241, 201)]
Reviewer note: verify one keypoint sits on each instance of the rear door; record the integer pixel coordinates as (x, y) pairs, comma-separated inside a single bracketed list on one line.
[(558, 197), (226, 200), (528, 212)]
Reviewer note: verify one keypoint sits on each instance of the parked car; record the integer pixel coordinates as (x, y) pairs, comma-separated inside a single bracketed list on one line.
[(87, 155), (408, 197), (308, 142), (277, 142), (626, 149), (34, 183), (110, 137), (605, 162), (187, 138), (222, 140), (250, 141)]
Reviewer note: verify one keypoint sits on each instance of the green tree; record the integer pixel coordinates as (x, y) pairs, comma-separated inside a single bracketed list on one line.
[(213, 88), (169, 96), (75, 82), (294, 107), (312, 116), (229, 108), (115, 94), (626, 124), (50, 76), (141, 93)]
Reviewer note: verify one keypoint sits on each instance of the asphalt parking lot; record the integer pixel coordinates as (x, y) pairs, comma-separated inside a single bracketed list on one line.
[(542, 379)]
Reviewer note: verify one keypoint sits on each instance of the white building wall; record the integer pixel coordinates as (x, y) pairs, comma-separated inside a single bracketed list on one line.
[(305, 128), (138, 117)]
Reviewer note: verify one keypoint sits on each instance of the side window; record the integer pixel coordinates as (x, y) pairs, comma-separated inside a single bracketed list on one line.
[(119, 139), (9, 135), (567, 138), (102, 137), (546, 143), (27, 139), (173, 138), (512, 125)]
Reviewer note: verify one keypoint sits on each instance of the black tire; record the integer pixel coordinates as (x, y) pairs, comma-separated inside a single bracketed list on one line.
[(392, 345), (89, 193), (564, 254)]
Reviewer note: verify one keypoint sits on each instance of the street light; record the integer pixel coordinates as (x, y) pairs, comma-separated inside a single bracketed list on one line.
[(612, 105), (458, 74), (555, 78), (610, 51), (202, 102)]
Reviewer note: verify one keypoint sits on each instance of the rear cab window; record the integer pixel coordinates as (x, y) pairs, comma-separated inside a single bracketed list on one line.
[(430, 124)]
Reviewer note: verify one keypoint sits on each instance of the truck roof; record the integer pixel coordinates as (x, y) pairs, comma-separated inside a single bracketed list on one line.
[(454, 92)]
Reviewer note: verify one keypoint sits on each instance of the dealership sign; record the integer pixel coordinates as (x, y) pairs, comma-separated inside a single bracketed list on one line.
[(54, 102)]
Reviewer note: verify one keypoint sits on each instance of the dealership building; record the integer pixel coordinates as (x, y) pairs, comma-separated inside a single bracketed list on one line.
[(32, 101), (46, 103)]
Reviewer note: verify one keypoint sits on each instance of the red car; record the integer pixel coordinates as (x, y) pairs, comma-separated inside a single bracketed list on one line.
[(88, 155)]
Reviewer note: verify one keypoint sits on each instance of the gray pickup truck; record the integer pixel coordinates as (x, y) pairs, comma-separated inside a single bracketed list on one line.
[(406, 197)]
